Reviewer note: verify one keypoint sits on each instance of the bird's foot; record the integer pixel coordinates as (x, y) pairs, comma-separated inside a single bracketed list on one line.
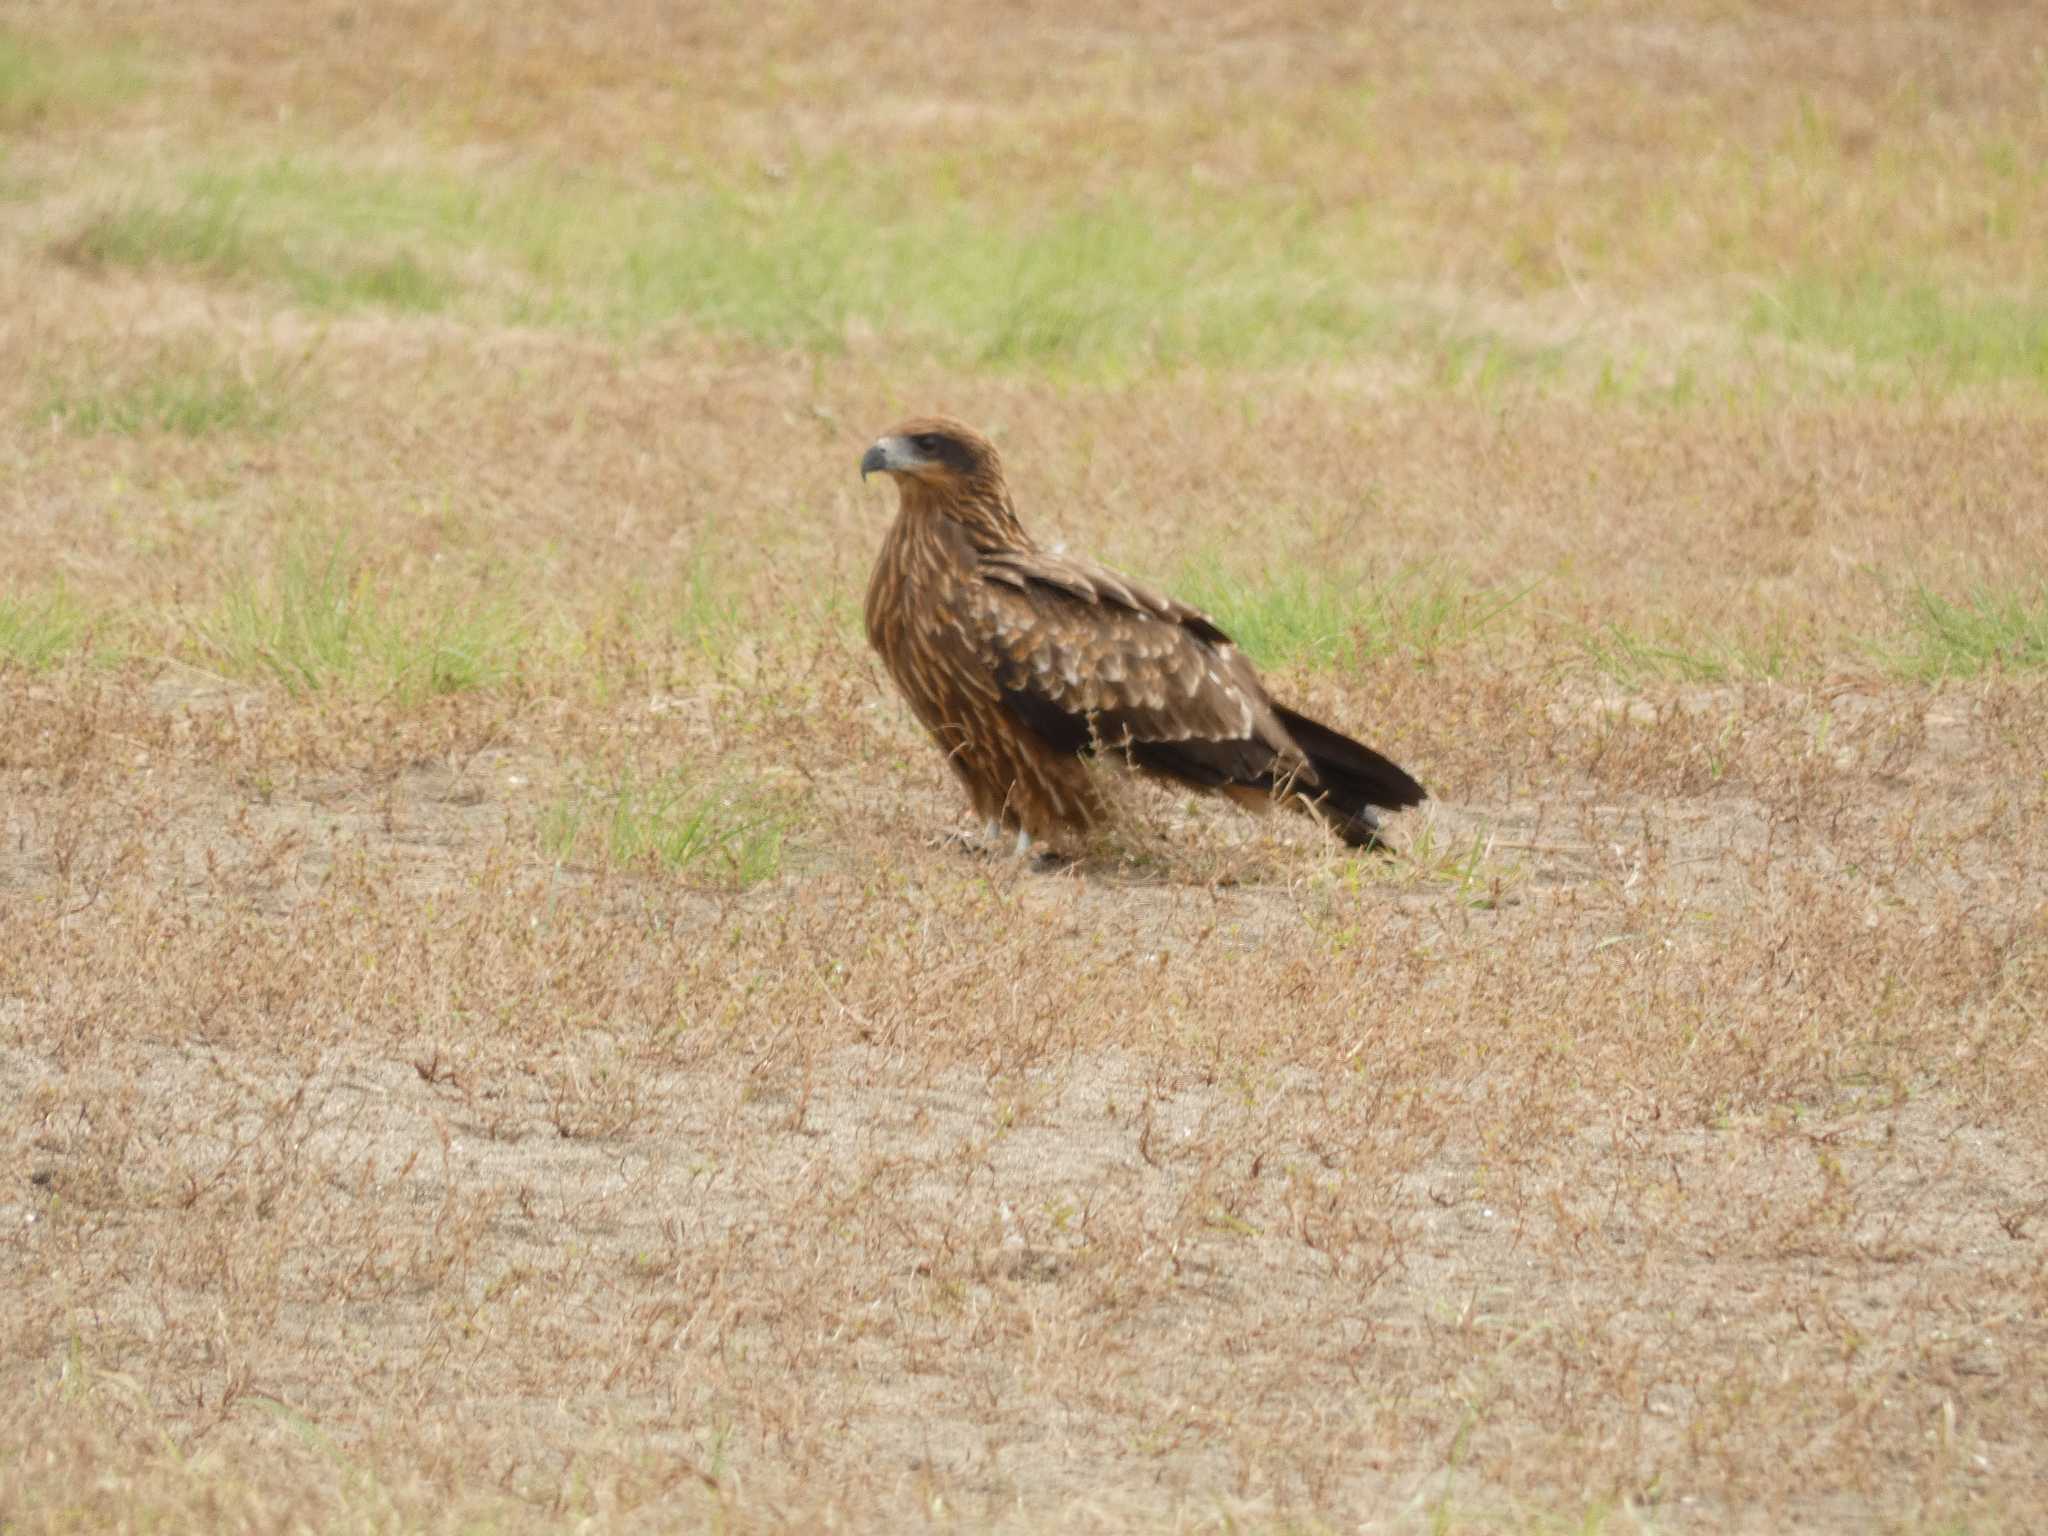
[(1040, 858), (988, 841), (991, 842)]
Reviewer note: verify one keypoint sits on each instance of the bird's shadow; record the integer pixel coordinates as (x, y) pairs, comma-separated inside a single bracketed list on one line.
[(1139, 859)]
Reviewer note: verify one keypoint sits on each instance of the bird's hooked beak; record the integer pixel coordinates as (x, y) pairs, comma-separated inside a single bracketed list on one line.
[(880, 457)]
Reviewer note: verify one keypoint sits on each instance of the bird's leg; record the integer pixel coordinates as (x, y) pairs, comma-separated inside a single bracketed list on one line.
[(1023, 842)]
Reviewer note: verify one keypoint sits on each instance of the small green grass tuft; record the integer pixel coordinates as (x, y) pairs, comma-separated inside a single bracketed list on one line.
[(1479, 361), (1471, 864), (36, 633), (1303, 617), (318, 622), (302, 628), (202, 234), (187, 398), (454, 649), (732, 836), (332, 243), (400, 282), (1989, 629)]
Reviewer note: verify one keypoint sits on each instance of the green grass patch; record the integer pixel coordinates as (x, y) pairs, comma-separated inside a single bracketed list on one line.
[(41, 83), (1916, 327), (203, 233), (36, 633), (177, 395), (1465, 863), (826, 257), (730, 836), (1155, 276), (1304, 617), (1987, 630), (812, 261), (318, 621), (332, 243)]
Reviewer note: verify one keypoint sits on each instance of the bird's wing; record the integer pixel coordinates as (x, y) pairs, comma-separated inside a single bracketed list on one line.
[(1087, 657)]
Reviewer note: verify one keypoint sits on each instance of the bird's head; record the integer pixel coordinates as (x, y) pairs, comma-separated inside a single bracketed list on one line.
[(944, 466), (937, 453)]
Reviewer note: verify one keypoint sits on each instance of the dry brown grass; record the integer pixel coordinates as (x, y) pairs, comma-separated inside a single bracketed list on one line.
[(1659, 1146)]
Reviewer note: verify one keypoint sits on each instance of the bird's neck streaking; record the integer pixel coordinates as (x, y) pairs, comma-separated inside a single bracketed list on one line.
[(982, 510)]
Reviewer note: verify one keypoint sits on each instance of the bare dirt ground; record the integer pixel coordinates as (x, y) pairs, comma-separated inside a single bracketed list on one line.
[(1657, 1144)]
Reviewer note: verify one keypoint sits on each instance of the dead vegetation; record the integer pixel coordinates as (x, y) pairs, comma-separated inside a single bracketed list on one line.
[(492, 1033)]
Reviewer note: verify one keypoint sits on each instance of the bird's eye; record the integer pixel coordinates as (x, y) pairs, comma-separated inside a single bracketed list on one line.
[(925, 442)]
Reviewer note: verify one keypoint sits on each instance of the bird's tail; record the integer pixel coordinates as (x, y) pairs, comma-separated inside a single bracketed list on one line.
[(1351, 780)]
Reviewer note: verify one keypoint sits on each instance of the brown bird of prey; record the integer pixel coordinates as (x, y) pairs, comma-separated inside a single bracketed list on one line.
[(1022, 662)]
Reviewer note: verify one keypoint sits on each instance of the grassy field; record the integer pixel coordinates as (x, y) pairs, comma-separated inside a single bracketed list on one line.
[(496, 1034)]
